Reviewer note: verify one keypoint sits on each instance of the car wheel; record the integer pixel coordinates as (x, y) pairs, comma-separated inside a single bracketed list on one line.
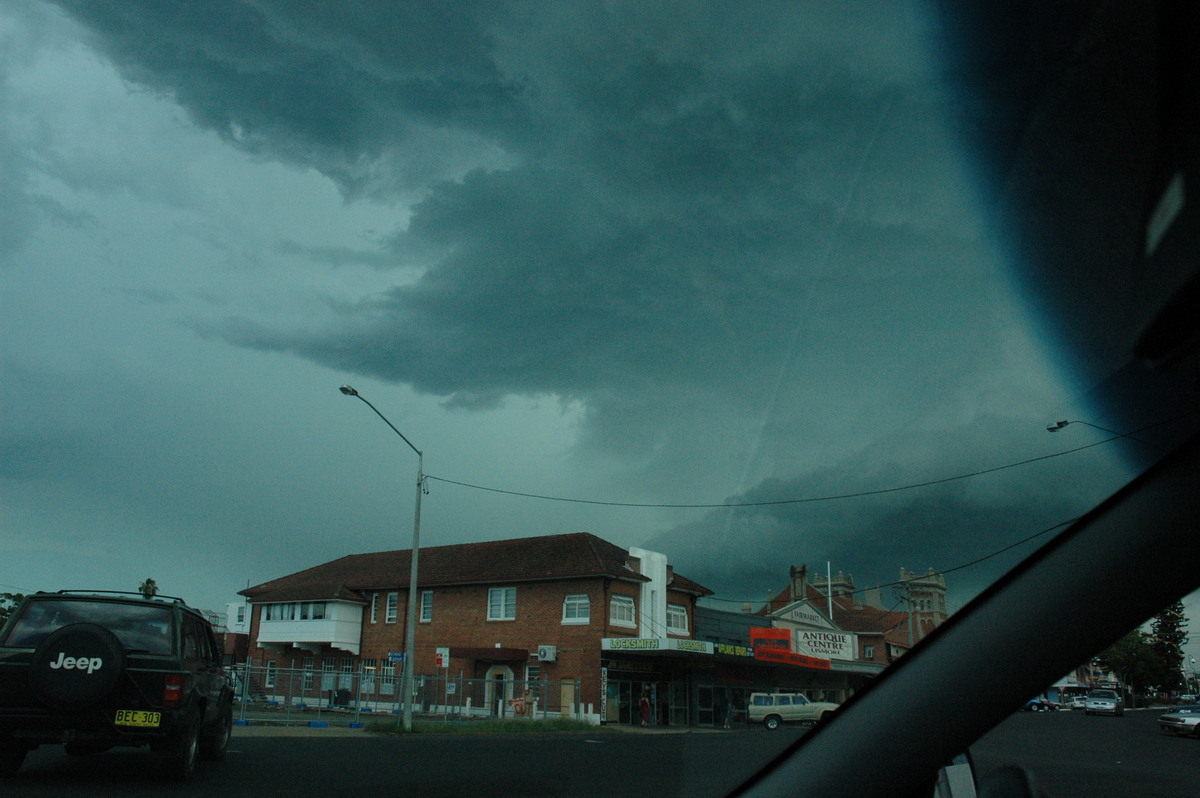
[(76, 666), (181, 752), (12, 755), (214, 744), (771, 721)]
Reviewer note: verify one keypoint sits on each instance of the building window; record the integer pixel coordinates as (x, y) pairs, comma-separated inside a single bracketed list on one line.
[(311, 611), (388, 680), (346, 678), (241, 615), (576, 609), (621, 612), (279, 612), (306, 679), (368, 676), (374, 607), (502, 604), (393, 605), (677, 620), (269, 678), (327, 668), (868, 652), (426, 606), (533, 678)]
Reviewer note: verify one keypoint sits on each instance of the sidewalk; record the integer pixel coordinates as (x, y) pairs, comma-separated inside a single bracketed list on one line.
[(304, 730)]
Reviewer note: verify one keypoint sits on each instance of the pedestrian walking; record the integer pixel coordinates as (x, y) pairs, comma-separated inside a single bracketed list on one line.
[(645, 706)]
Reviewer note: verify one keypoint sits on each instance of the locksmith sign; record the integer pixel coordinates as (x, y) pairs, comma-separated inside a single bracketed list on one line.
[(655, 644), (825, 645)]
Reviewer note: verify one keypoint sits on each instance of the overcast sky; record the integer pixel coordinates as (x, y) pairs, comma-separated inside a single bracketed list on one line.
[(622, 252)]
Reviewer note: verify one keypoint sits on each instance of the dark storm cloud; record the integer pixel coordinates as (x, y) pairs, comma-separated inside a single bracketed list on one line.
[(671, 220), (755, 220), (342, 88), (673, 227), (977, 526)]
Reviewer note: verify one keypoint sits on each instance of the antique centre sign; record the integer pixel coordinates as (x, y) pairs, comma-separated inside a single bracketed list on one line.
[(825, 645)]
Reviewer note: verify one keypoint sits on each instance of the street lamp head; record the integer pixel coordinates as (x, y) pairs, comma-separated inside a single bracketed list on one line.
[(346, 389), (1055, 427)]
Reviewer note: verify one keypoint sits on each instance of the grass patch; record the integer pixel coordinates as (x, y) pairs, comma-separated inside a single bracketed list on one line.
[(548, 726)]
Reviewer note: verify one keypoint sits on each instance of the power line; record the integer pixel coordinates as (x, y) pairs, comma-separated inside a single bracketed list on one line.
[(770, 502), (942, 572)]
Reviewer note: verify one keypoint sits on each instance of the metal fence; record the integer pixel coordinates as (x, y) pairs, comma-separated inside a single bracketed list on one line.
[(268, 694)]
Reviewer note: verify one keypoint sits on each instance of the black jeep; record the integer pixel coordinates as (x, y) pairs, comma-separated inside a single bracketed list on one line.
[(91, 670)]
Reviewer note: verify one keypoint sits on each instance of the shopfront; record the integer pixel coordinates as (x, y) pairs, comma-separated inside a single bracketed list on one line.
[(659, 668)]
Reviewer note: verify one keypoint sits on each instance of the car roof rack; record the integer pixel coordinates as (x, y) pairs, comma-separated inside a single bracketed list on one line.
[(156, 597)]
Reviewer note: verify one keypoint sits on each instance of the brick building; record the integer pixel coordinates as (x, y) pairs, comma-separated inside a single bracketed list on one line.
[(510, 611)]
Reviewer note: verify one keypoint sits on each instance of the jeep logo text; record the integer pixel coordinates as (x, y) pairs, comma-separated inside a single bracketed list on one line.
[(89, 664)]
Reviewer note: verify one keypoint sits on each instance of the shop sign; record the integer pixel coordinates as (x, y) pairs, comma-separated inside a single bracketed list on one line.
[(826, 645), (655, 644), (630, 643), (804, 613), (730, 650), (604, 693), (775, 645), (768, 638), (788, 658), (696, 646)]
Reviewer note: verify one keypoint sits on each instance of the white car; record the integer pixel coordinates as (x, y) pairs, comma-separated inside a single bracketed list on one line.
[(1104, 702), (1181, 720), (774, 709), (1078, 702)]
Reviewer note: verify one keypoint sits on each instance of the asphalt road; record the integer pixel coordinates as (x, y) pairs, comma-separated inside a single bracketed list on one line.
[(1072, 755), (1068, 753), (608, 763)]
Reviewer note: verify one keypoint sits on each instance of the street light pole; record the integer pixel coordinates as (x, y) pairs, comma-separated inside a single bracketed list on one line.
[(410, 626), (1057, 425)]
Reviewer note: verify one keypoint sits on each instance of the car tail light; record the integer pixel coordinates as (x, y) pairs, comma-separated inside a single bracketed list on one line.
[(173, 690)]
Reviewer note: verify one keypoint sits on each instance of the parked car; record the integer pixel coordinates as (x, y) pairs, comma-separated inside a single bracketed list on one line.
[(1077, 702), (1104, 702), (1041, 705), (1181, 721), (94, 670), (773, 709)]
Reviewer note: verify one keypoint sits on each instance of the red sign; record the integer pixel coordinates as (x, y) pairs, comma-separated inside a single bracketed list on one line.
[(775, 645), (774, 639), (788, 658)]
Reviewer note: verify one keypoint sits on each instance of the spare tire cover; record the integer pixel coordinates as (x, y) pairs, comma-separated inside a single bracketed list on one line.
[(76, 666)]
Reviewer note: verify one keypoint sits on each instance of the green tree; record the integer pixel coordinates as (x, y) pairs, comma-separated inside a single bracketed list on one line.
[(1168, 636), (9, 602), (1132, 659)]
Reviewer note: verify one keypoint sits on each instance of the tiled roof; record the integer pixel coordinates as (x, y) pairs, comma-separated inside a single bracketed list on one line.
[(569, 556)]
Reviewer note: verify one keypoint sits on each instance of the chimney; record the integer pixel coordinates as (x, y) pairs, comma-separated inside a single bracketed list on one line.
[(799, 584)]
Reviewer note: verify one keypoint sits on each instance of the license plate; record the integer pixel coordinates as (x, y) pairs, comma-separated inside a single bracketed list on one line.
[(137, 717)]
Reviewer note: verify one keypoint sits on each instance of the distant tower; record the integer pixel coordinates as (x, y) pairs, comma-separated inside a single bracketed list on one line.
[(843, 584), (926, 595)]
